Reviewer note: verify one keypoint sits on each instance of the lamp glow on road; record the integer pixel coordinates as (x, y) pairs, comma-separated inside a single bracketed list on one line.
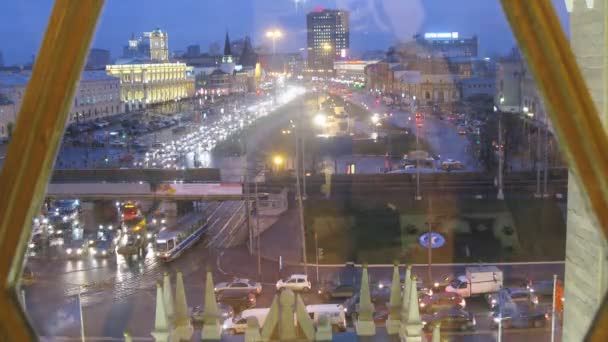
[(320, 120), (375, 118), (278, 160)]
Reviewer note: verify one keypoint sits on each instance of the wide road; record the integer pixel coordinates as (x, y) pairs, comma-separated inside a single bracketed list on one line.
[(442, 136), (118, 294)]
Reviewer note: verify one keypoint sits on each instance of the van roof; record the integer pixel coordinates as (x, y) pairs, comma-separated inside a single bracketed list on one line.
[(477, 269), (254, 312), (324, 308)]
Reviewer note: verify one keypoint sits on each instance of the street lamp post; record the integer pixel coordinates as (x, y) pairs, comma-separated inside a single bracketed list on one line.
[(546, 158), (418, 196), (500, 194), (274, 35)]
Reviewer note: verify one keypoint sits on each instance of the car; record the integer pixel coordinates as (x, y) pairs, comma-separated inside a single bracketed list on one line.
[(515, 295), (238, 323), (334, 312), (117, 144), (450, 319), (541, 287), (103, 248), (75, 249), (520, 316), (440, 301), (242, 285), (442, 283), (197, 313), (295, 282), (239, 301), (341, 291)]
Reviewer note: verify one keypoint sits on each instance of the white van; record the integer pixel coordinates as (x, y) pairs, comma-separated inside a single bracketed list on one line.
[(238, 323), (476, 281), (334, 312)]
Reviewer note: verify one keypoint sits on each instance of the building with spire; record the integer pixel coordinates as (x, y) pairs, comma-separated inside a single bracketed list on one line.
[(227, 57), (229, 78)]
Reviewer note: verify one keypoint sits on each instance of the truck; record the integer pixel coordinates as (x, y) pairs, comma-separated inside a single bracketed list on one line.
[(477, 280)]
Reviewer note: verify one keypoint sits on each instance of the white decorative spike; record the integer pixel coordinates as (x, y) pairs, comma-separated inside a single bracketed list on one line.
[(183, 327), (589, 3), (414, 324), (437, 333), (405, 301), (252, 333), (128, 337), (394, 315), (365, 322), (161, 325), (569, 5), (212, 330), (168, 297)]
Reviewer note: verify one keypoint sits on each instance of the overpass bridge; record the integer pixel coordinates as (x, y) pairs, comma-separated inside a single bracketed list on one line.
[(152, 176), (143, 191)]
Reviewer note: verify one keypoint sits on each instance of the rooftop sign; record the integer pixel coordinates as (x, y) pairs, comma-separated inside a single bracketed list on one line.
[(441, 35)]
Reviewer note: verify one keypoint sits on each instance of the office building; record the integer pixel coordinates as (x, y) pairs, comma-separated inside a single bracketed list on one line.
[(193, 50), (446, 44), (328, 39), (150, 46), (97, 96), (98, 59)]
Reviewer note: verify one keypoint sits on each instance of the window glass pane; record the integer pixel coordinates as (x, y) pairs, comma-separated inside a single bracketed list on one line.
[(235, 129)]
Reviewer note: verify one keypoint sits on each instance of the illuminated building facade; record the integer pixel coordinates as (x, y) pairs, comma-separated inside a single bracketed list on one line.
[(97, 96), (328, 39), (446, 44), (352, 70), (149, 83)]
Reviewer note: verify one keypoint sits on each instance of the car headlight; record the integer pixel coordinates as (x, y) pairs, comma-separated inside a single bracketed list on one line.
[(68, 251), (148, 235), (436, 284), (424, 323), (104, 253), (79, 251), (91, 242), (93, 252), (32, 245)]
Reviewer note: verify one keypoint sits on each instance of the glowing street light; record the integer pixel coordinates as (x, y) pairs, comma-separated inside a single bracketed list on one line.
[(320, 120), (274, 35), (277, 160)]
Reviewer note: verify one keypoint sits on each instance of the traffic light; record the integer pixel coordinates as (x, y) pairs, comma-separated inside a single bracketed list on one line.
[(559, 297)]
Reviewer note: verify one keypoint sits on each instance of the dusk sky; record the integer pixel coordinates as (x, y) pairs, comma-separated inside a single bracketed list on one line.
[(375, 24)]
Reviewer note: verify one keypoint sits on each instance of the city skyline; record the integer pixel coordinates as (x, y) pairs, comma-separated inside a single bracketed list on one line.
[(374, 24)]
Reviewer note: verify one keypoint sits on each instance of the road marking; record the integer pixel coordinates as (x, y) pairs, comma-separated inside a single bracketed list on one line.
[(219, 266)]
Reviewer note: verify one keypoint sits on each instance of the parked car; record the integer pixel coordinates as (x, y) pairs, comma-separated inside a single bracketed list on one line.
[(440, 301), (118, 144), (239, 301), (295, 282), (341, 291), (450, 319), (241, 285), (516, 295)]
